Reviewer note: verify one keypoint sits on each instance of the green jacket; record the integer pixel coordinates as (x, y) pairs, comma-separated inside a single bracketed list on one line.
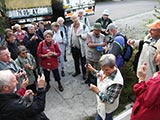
[(29, 60)]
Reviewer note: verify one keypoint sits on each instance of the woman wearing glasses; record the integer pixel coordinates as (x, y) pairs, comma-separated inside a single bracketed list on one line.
[(27, 62)]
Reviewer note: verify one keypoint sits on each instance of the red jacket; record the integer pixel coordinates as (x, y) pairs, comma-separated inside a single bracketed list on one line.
[(147, 104), (52, 62)]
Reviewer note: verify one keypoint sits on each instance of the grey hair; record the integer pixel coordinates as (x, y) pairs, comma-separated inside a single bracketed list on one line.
[(5, 76), (21, 48), (60, 19), (48, 32), (30, 26), (107, 60)]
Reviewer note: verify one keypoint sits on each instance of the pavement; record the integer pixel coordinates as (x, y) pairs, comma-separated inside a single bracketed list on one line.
[(77, 102)]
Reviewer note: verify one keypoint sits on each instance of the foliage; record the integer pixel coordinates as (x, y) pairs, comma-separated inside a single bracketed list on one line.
[(157, 11), (3, 24)]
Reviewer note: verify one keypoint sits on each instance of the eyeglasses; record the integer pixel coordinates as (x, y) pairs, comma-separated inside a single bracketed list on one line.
[(23, 53)]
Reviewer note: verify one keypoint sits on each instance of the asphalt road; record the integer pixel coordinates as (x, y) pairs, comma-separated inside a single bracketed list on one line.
[(123, 9), (77, 102)]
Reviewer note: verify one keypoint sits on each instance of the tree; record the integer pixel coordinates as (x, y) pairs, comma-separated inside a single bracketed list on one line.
[(157, 11), (3, 19)]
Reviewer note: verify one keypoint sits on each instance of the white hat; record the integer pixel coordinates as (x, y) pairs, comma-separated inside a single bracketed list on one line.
[(106, 12)]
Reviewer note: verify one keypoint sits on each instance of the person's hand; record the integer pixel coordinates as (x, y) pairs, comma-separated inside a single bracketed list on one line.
[(50, 54), (26, 65), (142, 72), (94, 88), (130, 42), (41, 81), (103, 44), (103, 30), (24, 83), (28, 92), (34, 37), (89, 67), (31, 67), (20, 73), (54, 54)]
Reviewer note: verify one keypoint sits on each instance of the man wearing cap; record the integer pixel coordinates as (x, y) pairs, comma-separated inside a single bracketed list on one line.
[(148, 49), (95, 42), (104, 21)]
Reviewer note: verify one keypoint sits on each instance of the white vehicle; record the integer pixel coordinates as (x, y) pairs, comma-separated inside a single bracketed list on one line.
[(27, 11)]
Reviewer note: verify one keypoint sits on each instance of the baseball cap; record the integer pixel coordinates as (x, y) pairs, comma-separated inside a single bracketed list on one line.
[(154, 25)]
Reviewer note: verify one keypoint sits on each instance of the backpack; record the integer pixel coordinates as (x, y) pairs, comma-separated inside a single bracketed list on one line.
[(137, 55), (128, 50)]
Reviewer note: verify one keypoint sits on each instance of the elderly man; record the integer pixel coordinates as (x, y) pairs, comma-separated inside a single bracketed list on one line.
[(117, 44), (104, 21), (83, 19), (147, 53), (7, 63), (95, 41), (77, 41), (14, 107)]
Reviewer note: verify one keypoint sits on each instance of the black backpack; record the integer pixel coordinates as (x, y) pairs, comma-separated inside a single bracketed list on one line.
[(128, 50), (137, 55)]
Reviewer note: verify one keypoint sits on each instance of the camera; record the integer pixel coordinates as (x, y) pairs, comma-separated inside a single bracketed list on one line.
[(20, 71)]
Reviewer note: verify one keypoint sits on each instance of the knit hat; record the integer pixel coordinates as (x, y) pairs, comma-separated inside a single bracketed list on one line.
[(154, 25), (97, 26)]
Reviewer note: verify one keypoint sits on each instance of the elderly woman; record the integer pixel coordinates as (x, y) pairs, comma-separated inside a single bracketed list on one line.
[(19, 34), (59, 37), (147, 104), (27, 62), (63, 28), (109, 86), (48, 53)]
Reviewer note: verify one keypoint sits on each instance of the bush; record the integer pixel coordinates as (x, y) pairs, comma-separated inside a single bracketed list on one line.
[(3, 24)]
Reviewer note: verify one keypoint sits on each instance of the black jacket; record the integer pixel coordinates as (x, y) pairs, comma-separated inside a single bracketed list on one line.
[(32, 45), (14, 107), (13, 49)]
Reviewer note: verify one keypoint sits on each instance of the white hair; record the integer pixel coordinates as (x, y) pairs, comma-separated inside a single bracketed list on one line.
[(5, 76), (60, 19)]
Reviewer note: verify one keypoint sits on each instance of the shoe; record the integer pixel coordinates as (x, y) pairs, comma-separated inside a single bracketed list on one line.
[(87, 81), (60, 87), (65, 60), (75, 74), (84, 77), (62, 73), (47, 88)]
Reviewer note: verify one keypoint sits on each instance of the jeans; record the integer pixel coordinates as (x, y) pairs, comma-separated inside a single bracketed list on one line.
[(108, 117)]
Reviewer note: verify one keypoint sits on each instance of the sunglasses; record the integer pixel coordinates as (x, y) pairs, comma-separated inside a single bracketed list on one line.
[(23, 53)]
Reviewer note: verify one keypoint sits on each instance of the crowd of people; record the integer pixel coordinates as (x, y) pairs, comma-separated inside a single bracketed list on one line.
[(28, 57)]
